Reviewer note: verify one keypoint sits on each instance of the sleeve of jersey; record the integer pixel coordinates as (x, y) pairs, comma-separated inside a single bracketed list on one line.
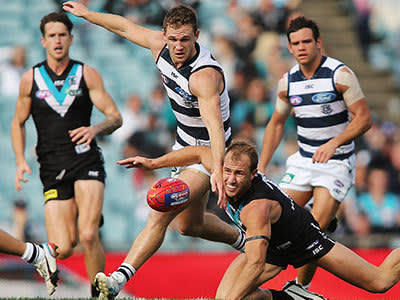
[(346, 77)]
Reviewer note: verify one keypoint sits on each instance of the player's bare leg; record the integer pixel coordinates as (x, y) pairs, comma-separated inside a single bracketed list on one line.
[(195, 221), (89, 198), (324, 210), (347, 265), (60, 220)]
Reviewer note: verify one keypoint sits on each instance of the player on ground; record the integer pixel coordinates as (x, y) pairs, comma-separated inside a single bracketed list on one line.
[(43, 257), (278, 231), (330, 111), (195, 85), (60, 93)]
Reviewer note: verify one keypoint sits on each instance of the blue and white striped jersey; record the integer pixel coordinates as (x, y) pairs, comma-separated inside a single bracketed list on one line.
[(191, 129), (320, 110)]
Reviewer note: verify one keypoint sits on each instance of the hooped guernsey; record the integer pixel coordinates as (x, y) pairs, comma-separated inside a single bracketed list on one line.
[(61, 103), (296, 237), (320, 110), (191, 129)]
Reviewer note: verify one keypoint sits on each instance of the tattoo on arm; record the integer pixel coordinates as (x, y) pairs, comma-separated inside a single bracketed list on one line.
[(109, 124)]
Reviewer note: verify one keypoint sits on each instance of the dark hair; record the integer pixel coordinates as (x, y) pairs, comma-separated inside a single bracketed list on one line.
[(56, 17), (300, 23), (181, 15), (243, 147)]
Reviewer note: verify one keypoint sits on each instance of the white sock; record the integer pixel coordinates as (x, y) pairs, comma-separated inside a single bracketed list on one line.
[(127, 270), (33, 253), (239, 244)]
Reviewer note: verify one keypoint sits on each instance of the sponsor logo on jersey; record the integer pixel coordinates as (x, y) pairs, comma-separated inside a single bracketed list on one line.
[(323, 97), (50, 194), (82, 148), (295, 100), (173, 74), (43, 94), (74, 93), (72, 79), (58, 82)]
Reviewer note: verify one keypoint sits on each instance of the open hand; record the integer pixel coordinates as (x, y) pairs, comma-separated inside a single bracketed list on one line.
[(75, 8)]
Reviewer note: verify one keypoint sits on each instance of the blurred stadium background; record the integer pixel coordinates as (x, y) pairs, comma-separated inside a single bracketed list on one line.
[(247, 37)]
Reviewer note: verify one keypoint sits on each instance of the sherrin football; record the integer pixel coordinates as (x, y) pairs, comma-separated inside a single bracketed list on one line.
[(168, 194)]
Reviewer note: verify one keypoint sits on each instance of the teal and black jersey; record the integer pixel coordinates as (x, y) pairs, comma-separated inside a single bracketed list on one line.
[(262, 188), (60, 103), (296, 238), (320, 110)]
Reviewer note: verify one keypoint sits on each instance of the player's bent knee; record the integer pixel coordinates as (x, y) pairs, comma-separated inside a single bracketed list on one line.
[(189, 230), (64, 251), (88, 237)]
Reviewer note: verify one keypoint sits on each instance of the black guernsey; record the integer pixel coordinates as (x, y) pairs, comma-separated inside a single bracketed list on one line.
[(59, 104)]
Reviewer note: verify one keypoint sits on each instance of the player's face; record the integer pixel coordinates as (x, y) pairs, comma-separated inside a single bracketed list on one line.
[(237, 175), (56, 40), (304, 48), (181, 43)]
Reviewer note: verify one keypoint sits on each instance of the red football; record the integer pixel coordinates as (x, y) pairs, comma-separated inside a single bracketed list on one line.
[(168, 194)]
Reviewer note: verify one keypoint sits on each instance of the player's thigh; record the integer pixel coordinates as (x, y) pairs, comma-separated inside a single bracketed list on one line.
[(300, 197), (89, 195), (199, 185), (60, 220), (324, 207), (347, 265)]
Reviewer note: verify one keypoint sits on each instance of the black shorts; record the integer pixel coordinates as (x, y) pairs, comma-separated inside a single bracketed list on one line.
[(310, 245), (59, 184)]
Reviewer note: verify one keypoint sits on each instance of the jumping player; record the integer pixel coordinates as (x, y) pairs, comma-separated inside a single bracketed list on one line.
[(196, 87)]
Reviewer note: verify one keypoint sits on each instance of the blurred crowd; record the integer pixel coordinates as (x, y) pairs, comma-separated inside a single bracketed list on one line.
[(250, 43)]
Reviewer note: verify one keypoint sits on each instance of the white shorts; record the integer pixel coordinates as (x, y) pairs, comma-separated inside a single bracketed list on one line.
[(175, 171), (335, 175)]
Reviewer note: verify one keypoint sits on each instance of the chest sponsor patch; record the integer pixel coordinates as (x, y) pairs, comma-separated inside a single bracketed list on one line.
[(323, 97)]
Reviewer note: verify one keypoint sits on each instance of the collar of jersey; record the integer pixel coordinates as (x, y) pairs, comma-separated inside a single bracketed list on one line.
[(63, 93)]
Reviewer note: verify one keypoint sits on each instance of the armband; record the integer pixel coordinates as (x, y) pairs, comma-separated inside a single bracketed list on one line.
[(257, 237)]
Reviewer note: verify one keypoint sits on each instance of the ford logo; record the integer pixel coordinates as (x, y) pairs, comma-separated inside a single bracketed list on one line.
[(43, 94), (323, 97), (295, 100)]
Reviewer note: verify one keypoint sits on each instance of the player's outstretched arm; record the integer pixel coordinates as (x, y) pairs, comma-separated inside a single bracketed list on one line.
[(137, 34), (182, 157)]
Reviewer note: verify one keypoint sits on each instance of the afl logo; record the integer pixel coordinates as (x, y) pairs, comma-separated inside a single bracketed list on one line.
[(323, 97), (43, 94), (295, 100), (164, 78)]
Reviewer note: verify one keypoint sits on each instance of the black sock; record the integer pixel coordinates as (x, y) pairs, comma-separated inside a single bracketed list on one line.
[(94, 292), (280, 295)]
